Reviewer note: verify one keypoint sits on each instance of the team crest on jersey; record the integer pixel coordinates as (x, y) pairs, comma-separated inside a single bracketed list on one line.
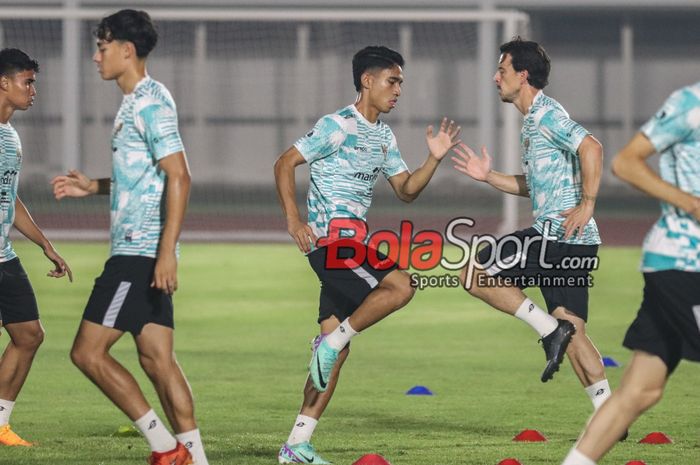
[(385, 149), (117, 127)]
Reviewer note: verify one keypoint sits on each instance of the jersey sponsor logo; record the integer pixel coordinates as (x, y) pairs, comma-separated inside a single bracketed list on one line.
[(367, 176), (361, 149), (8, 177)]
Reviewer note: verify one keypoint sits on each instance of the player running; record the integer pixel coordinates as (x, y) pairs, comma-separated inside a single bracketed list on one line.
[(149, 191), (561, 165), (667, 327), (347, 151)]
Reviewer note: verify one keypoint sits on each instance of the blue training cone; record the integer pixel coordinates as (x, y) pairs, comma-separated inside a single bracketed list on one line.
[(419, 391), (610, 362)]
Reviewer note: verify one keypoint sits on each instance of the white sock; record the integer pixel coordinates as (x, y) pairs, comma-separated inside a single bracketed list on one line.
[(303, 429), (599, 393), (193, 442), (577, 458), (340, 337), (157, 435), (538, 319), (6, 407)]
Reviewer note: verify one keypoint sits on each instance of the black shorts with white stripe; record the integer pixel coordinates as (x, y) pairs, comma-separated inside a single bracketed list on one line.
[(123, 298), (343, 288)]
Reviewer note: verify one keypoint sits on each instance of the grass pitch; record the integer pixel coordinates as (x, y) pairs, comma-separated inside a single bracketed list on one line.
[(245, 315)]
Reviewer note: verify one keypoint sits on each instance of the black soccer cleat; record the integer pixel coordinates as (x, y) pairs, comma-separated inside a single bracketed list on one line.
[(554, 345)]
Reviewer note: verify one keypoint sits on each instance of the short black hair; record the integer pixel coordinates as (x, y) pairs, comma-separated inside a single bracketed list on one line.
[(133, 26), (374, 56), (14, 60), (529, 56)]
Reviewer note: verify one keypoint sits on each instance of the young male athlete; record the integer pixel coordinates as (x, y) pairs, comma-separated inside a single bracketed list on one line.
[(149, 190), (18, 307), (346, 152), (667, 327), (561, 165)]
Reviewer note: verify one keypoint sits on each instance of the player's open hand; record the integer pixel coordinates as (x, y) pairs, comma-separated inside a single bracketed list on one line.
[(577, 218), (446, 138), (73, 184), (471, 164), (302, 234), (165, 274), (61, 268)]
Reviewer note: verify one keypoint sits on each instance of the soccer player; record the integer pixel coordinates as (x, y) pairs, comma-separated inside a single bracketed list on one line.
[(18, 307), (346, 152), (149, 191), (667, 327), (561, 165)]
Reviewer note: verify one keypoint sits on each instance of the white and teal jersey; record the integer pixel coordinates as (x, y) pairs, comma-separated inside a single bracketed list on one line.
[(673, 243), (346, 153), (10, 164), (552, 168), (145, 131)]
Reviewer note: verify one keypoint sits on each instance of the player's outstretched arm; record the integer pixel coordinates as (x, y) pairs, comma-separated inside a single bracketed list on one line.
[(591, 154), (479, 168), (26, 225), (285, 167), (178, 182), (76, 184), (630, 165), (408, 186)]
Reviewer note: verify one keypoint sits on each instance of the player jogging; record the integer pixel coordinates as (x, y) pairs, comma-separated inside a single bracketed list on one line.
[(667, 327), (561, 165), (18, 307), (347, 151), (149, 190)]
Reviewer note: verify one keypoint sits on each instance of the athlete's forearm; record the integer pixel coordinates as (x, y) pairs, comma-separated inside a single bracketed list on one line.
[(416, 181), (177, 197), (24, 223), (509, 183), (630, 165), (286, 188), (591, 155)]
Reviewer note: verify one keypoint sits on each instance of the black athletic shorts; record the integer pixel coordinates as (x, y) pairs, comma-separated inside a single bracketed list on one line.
[(123, 298), (668, 322), (17, 300), (565, 284), (343, 289)]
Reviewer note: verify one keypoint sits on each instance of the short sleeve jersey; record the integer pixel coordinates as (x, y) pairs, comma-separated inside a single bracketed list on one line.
[(549, 141), (673, 243), (346, 154), (10, 164), (145, 131)]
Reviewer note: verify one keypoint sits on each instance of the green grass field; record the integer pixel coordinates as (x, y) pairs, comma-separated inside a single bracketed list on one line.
[(245, 315)]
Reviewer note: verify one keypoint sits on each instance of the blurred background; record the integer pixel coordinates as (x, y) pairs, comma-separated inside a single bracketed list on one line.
[(249, 78)]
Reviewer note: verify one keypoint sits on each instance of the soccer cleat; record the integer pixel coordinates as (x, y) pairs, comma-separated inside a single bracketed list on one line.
[(178, 456), (299, 453), (10, 438), (555, 344), (322, 362)]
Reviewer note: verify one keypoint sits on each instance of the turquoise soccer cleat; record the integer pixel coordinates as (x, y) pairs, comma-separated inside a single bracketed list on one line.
[(300, 453), (322, 362)]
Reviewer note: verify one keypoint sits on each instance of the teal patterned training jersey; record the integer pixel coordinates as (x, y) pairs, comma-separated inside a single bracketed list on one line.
[(145, 131), (346, 153), (550, 140), (10, 164), (673, 243)]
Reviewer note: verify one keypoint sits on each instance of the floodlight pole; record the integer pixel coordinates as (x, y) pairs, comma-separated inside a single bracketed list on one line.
[(72, 115)]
